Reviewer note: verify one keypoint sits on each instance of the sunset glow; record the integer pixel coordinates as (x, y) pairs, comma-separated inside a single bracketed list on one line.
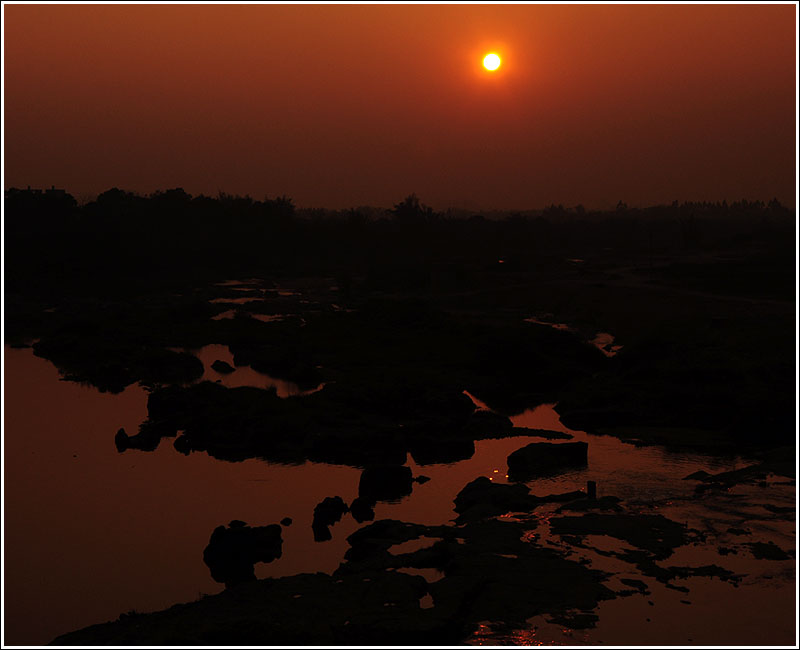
[(491, 62), (288, 88), (314, 313)]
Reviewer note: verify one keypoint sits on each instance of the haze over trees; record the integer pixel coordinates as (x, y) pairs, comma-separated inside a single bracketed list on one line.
[(127, 235)]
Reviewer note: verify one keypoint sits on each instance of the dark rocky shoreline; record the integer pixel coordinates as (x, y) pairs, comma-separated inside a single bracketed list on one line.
[(383, 327)]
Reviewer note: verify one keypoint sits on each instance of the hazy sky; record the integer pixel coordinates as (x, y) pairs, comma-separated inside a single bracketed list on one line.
[(341, 106)]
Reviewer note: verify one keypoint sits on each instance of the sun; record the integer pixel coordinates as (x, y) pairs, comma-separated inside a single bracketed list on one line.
[(491, 62)]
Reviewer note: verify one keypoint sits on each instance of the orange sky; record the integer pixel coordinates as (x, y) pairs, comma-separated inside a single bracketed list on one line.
[(341, 106)]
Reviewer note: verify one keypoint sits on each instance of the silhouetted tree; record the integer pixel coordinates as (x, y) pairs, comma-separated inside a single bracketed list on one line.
[(410, 210), (555, 211)]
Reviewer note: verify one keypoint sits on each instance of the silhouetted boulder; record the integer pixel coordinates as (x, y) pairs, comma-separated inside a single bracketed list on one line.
[(483, 498), (381, 535), (699, 475), (326, 513), (768, 551), (653, 533), (330, 510), (321, 532), (150, 434), (385, 483), (121, 440), (232, 552), (362, 509), (542, 433), (431, 450), (586, 504), (222, 367), (545, 458), (488, 424), (156, 366)]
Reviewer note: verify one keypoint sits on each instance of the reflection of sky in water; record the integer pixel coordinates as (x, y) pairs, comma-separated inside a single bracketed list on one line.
[(603, 341), (235, 301), (556, 326), (713, 612), (760, 610), (231, 313), (265, 318), (132, 526), (622, 469), (268, 318), (244, 375)]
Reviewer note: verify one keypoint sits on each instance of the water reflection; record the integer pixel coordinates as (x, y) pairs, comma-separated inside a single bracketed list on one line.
[(244, 375), (235, 301), (264, 318), (225, 315), (130, 529), (91, 533), (604, 342), (621, 469), (556, 326)]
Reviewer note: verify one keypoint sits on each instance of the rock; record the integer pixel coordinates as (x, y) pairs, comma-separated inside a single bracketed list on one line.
[(483, 498), (421, 479), (549, 434), (587, 504), (768, 551), (640, 586), (362, 509), (222, 367), (435, 451), (321, 533), (147, 439), (232, 552), (385, 483), (545, 457), (738, 531), (380, 535), (330, 510), (488, 424), (779, 510), (326, 513), (575, 621), (286, 521), (653, 533), (121, 440), (699, 475), (707, 571)]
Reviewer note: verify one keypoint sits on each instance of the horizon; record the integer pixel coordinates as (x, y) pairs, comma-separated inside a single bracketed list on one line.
[(85, 199)]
